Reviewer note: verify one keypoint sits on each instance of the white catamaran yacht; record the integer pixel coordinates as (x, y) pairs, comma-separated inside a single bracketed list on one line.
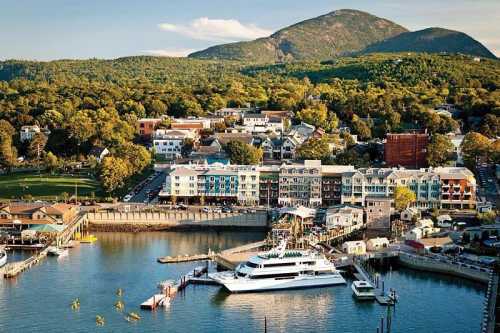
[(280, 269)]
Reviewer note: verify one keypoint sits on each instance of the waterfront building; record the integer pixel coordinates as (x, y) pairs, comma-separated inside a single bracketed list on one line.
[(331, 183), (344, 216), (406, 149), (458, 187), (169, 142), (269, 185), (219, 185), (182, 183), (312, 184), (25, 215), (248, 185), (300, 184)]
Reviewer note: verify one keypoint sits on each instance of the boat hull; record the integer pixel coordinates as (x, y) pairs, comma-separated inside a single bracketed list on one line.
[(3, 259), (259, 285)]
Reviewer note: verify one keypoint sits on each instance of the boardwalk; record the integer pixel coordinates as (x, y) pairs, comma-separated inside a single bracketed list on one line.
[(13, 269)]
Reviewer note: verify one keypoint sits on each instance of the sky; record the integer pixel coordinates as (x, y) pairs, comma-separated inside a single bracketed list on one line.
[(81, 29)]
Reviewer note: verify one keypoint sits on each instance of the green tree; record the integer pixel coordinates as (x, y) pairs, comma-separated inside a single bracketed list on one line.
[(474, 145), (490, 126), (8, 153), (318, 116), (51, 162), (114, 172), (242, 153), (361, 128), (315, 149), (439, 150), (403, 197), (138, 157), (187, 147)]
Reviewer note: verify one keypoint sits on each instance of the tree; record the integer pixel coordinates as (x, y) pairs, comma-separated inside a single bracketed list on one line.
[(314, 149), (138, 157), (81, 127), (114, 172), (36, 145), (187, 147), (490, 126), (403, 197), (8, 153), (439, 150), (361, 128), (319, 116), (474, 145), (242, 153), (51, 162)]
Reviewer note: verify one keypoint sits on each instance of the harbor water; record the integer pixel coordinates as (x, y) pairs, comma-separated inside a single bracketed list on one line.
[(39, 299)]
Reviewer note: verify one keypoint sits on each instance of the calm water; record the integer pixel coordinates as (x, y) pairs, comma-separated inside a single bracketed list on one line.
[(38, 300)]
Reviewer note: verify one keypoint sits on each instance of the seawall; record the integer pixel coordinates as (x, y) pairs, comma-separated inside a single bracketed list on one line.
[(432, 265), (175, 220)]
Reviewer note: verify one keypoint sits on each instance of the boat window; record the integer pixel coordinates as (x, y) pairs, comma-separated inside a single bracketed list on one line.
[(308, 263), (271, 276), (251, 264), (280, 264), (241, 274)]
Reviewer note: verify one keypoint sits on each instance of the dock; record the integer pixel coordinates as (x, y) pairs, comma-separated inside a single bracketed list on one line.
[(11, 270), (184, 258), (363, 275), (153, 302)]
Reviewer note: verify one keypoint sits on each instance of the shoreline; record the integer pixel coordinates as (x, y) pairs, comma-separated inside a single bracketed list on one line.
[(143, 227)]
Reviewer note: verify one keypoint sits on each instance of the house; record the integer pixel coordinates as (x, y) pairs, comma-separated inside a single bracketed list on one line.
[(271, 148), (169, 142), (409, 214), (354, 247), (344, 216), (376, 244), (224, 138), (255, 119), (290, 145), (27, 215), (424, 223), (28, 132), (233, 112), (195, 124), (378, 212), (99, 153), (147, 126)]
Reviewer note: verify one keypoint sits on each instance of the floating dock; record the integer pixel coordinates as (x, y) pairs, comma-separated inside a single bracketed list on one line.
[(153, 302), (184, 258), (11, 270)]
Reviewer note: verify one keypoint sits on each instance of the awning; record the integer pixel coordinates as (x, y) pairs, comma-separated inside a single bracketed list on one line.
[(48, 228)]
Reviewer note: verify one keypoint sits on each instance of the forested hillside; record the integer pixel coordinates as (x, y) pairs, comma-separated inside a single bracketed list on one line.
[(97, 102)]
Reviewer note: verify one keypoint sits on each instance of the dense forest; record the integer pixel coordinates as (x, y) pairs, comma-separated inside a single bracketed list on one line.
[(97, 102)]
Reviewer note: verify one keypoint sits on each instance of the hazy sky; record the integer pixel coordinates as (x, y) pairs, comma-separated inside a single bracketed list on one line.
[(55, 29)]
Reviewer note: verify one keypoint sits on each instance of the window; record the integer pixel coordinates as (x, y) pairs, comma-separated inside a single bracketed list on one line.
[(280, 264), (251, 264)]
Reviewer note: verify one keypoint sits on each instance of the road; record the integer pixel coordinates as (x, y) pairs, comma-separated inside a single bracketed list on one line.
[(149, 186), (487, 185)]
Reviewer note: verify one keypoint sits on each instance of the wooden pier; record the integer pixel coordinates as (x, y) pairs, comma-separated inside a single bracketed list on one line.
[(11, 270)]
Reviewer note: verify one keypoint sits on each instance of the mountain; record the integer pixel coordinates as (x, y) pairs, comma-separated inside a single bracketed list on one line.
[(338, 33), (431, 40)]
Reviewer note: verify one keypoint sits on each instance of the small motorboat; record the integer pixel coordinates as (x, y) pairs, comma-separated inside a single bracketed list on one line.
[(3, 257), (363, 290), (99, 320), (57, 252), (134, 316)]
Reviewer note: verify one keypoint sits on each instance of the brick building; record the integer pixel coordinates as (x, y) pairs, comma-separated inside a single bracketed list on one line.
[(406, 149)]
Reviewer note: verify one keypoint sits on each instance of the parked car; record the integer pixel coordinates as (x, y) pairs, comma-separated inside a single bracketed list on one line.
[(127, 198), (217, 210), (227, 209), (206, 210)]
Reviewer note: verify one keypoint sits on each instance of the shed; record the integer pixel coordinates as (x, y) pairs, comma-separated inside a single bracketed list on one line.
[(376, 244), (354, 247), (414, 234)]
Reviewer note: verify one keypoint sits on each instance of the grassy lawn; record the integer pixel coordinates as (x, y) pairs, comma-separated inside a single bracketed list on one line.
[(46, 186)]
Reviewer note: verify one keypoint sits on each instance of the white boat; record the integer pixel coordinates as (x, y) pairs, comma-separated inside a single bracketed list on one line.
[(3, 257), (280, 269), (363, 290), (56, 251)]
